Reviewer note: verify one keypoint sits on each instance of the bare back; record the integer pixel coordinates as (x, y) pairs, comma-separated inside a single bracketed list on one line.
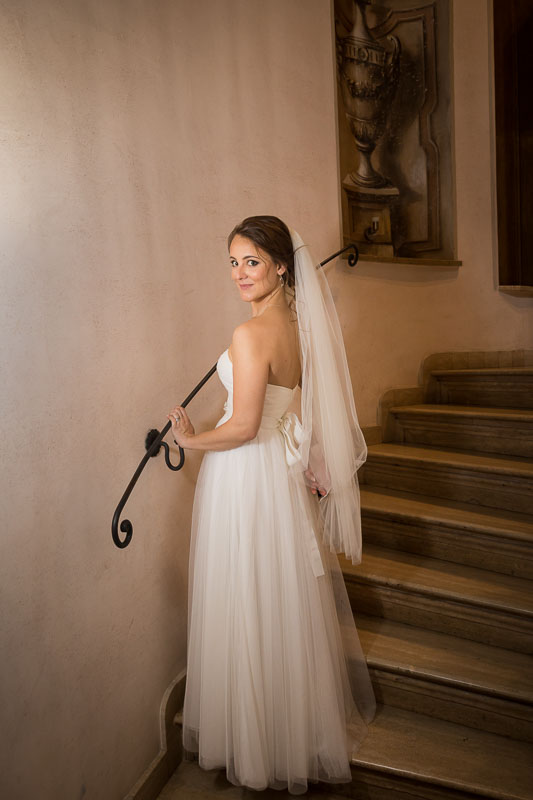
[(278, 331)]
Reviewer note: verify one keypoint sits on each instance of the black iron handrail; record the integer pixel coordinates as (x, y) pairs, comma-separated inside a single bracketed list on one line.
[(154, 438)]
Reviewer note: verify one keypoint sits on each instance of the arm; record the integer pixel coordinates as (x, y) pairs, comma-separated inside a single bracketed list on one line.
[(316, 475), (250, 378)]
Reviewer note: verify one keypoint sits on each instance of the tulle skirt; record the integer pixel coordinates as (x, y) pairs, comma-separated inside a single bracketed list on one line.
[(278, 691)]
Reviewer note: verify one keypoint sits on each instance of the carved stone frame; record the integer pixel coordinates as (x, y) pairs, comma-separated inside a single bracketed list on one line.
[(436, 239)]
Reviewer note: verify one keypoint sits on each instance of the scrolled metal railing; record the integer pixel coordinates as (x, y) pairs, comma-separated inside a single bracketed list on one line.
[(154, 438)]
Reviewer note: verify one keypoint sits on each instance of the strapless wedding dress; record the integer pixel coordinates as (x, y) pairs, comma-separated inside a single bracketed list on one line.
[(278, 691)]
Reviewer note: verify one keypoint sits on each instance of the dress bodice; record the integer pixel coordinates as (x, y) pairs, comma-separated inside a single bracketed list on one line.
[(277, 398), (276, 420)]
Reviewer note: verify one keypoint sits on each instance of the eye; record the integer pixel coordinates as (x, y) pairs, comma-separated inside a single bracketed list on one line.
[(252, 263), (233, 262)]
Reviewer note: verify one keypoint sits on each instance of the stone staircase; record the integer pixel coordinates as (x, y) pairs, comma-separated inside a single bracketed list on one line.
[(443, 598)]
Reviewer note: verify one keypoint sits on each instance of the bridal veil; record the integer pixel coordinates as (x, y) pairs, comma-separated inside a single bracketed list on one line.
[(332, 444)]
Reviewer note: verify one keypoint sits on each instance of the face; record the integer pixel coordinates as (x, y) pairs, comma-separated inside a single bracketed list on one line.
[(253, 271)]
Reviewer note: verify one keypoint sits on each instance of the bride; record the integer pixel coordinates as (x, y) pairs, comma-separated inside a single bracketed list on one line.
[(278, 691)]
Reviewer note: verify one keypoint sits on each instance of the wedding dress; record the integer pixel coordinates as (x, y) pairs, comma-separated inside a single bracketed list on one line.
[(278, 691)]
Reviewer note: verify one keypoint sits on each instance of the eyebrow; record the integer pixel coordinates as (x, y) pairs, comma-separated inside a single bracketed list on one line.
[(257, 258)]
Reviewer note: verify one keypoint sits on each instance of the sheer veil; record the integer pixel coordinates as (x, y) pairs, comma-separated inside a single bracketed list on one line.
[(332, 445)]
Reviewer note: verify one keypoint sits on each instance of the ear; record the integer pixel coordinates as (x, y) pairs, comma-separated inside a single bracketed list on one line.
[(281, 268)]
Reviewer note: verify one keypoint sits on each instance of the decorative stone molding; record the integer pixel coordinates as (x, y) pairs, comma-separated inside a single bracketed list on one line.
[(153, 779), (426, 391)]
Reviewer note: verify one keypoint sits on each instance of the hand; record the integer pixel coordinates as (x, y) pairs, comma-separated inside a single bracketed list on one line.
[(313, 484), (182, 427)]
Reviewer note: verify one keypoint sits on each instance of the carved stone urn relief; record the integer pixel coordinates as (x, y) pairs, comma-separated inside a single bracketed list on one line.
[(395, 127), (369, 76)]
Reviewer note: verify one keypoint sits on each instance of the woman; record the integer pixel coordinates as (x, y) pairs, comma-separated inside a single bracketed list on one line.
[(278, 692)]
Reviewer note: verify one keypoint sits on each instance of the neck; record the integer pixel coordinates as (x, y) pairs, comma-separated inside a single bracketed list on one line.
[(276, 297)]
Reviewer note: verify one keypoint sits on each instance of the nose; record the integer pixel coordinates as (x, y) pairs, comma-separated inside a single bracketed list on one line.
[(239, 272)]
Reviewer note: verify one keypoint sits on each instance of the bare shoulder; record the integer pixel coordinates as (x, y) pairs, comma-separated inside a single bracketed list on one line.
[(247, 338)]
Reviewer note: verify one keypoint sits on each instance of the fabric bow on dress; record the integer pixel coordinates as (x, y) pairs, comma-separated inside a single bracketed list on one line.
[(291, 429), (292, 432)]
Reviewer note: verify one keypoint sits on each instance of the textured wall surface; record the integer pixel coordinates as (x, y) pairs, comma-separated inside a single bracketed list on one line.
[(134, 135)]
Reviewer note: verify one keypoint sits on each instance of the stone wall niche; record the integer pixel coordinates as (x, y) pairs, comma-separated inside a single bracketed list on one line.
[(395, 129)]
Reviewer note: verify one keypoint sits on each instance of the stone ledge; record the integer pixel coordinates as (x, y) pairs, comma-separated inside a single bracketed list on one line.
[(413, 756), (493, 481), (442, 596), (508, 431)]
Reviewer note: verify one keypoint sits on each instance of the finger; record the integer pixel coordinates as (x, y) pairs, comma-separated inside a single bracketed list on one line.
[(174, 426)]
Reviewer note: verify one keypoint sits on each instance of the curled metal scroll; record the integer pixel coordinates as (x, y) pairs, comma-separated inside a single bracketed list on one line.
[(153, 443)]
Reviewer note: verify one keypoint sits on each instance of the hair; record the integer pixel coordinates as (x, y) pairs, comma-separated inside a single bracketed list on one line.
[(272, 236)]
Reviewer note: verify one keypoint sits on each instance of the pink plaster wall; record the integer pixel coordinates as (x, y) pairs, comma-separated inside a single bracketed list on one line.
[(134, 135)]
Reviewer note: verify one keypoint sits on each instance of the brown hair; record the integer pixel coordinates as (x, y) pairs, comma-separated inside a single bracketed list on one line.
[(271, 235)]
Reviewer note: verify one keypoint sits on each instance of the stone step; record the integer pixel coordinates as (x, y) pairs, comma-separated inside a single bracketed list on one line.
[(493, 480), (480, 537), (405, 756), (490, 430), (508, 387), (440, 595), (444, 676), (409, 756)]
